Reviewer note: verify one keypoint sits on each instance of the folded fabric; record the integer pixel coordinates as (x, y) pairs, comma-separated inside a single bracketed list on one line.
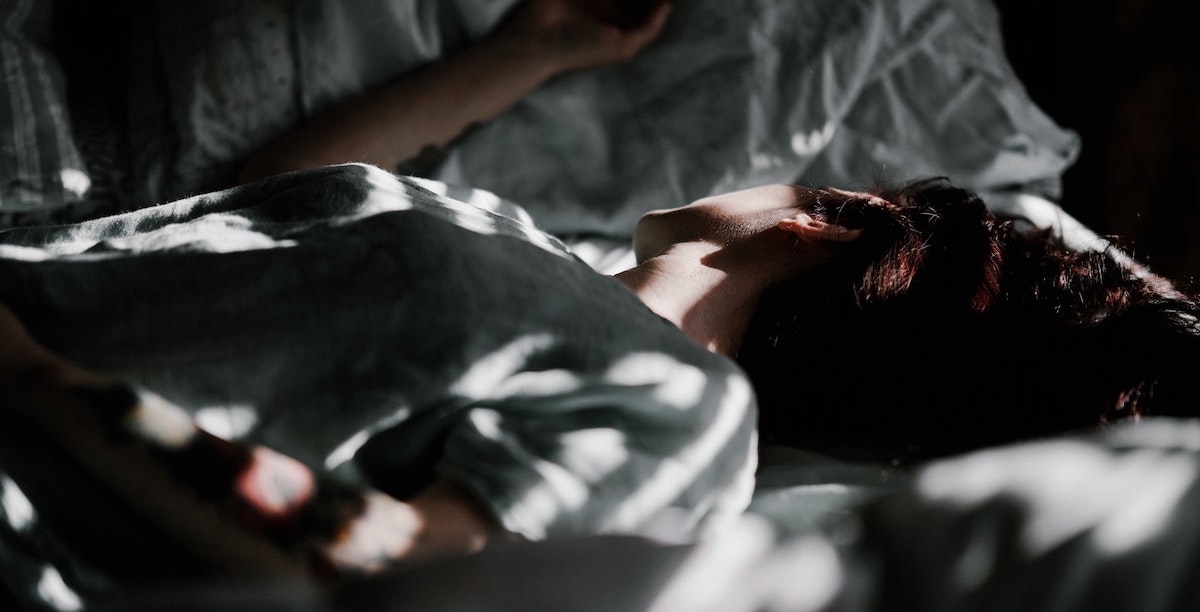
[(737, 94), (733, 94), (40, 166)]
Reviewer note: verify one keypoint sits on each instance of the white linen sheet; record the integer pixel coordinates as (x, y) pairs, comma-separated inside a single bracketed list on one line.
[(841, 92), (733, 94), (1073, 524)]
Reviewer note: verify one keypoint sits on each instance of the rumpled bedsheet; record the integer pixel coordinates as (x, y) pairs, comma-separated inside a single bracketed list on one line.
[(737, 94), (733, 94), (1106, 521)]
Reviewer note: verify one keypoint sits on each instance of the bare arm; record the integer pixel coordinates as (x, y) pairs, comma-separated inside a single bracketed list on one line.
[(434, 104)]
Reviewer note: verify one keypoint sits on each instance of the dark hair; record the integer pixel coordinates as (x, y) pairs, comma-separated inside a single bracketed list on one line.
[(946, 328)]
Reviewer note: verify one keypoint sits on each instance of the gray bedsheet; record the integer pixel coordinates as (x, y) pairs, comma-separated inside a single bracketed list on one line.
[(1107, 521)]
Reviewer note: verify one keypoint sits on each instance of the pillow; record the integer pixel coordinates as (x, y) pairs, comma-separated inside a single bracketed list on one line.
[(834, 92), (40, 167)]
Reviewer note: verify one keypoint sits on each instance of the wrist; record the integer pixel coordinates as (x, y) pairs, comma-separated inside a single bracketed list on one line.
[(530, 53)]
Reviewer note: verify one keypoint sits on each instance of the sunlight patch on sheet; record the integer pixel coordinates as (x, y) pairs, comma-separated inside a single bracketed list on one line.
[(18, 510), (386, 194), (1069, 488), (23, 253), (813, 142), (75, 181), (55, 592), (1022, 476), (346, 450), (482, 212), (594, 453), (559, 489), (684, 389), (228, 422), (537, 384), (763, 161), (588, 456), (469, 217), (716, 567), (1145, 513), (487, 422), (801, 576), (480, 198), (19, 513), (485, 222), (606, 255), (212, 233), (678, 385), (675, 474), (742, 569), (491, 370)]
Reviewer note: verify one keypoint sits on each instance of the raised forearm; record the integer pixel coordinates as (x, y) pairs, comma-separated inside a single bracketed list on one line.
[(427, 107), (434, 104)]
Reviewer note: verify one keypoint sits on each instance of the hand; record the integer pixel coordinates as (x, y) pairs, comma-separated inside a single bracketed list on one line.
[(579, 34)]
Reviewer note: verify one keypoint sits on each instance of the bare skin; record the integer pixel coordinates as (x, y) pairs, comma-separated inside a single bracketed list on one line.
[(700, 267), (432, 105), (152, 455), (436, 103), (704, 266)]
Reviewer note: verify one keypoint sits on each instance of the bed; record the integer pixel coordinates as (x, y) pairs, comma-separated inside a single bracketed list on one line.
[(844, 93)]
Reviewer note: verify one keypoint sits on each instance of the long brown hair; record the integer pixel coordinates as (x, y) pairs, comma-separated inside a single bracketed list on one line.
[(946, 328)]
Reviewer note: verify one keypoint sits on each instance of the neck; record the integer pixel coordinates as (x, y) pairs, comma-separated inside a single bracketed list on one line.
[(711, 305)]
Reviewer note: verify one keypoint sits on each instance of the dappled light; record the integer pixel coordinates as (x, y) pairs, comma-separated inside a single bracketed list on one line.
[(681, 390), (671, 476), (477, 210), (1120, 500), (18, 511), (1150, 502), (55, 592), (229, 422), (745, 569), (491, 370), (347, 449), (214, 233), (18, 516), (812, 143)]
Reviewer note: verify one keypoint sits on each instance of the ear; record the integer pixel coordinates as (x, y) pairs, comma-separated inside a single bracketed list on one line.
[(808, 228)]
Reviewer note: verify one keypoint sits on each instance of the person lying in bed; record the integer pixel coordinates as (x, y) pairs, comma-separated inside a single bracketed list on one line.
[(417, 376)]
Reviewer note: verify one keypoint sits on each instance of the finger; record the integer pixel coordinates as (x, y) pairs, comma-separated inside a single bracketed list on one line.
[(332, 527), (381, 533), (119, 436)]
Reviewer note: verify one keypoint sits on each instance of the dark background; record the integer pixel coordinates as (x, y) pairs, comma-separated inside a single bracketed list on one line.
[(1125, 76)]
